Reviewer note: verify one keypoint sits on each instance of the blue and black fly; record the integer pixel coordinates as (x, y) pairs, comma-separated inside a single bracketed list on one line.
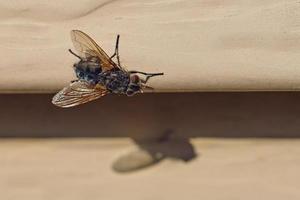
[(97, 74)]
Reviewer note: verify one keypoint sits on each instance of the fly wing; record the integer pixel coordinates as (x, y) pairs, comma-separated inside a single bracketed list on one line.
[(87, 47), (77, 93)]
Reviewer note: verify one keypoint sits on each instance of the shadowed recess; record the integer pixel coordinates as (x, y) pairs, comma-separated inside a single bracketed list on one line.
[(146, 116)]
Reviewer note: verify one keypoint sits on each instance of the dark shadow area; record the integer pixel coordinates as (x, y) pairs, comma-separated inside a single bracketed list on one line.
[(169, 146), (149, 152), (146, 116)]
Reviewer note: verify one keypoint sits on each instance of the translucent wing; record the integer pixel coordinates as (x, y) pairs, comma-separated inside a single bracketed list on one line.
[(77, 93), (87, 47)]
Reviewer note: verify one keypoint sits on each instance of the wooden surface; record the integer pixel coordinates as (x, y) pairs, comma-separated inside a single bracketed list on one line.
[(200, 45), (76, 169)]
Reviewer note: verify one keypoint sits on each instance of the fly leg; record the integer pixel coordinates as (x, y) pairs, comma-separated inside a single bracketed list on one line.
[(117, 51), (75, 54), (148, 75), (147, 87), (144, 86), (116, 47)]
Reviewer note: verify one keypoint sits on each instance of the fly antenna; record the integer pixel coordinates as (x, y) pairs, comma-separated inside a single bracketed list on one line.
[(75, 54)]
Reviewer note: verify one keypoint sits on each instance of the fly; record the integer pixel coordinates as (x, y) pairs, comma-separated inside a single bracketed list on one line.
[(97, 74)]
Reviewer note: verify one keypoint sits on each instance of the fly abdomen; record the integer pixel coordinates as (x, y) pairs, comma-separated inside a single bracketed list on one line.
[(115, 81)]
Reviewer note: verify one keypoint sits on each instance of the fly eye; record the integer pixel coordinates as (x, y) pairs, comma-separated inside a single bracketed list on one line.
[(135, 79)]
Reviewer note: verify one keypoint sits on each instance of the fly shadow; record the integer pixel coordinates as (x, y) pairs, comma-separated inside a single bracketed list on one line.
[(151, 151)]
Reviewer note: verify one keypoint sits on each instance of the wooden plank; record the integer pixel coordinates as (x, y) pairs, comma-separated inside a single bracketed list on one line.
[(201, 45), (81, 169)]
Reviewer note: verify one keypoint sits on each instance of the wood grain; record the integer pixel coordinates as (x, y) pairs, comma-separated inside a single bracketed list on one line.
[(76, 169), (200, 45)]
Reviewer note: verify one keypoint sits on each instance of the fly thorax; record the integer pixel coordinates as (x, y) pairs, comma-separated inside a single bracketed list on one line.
[(88, 71)]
